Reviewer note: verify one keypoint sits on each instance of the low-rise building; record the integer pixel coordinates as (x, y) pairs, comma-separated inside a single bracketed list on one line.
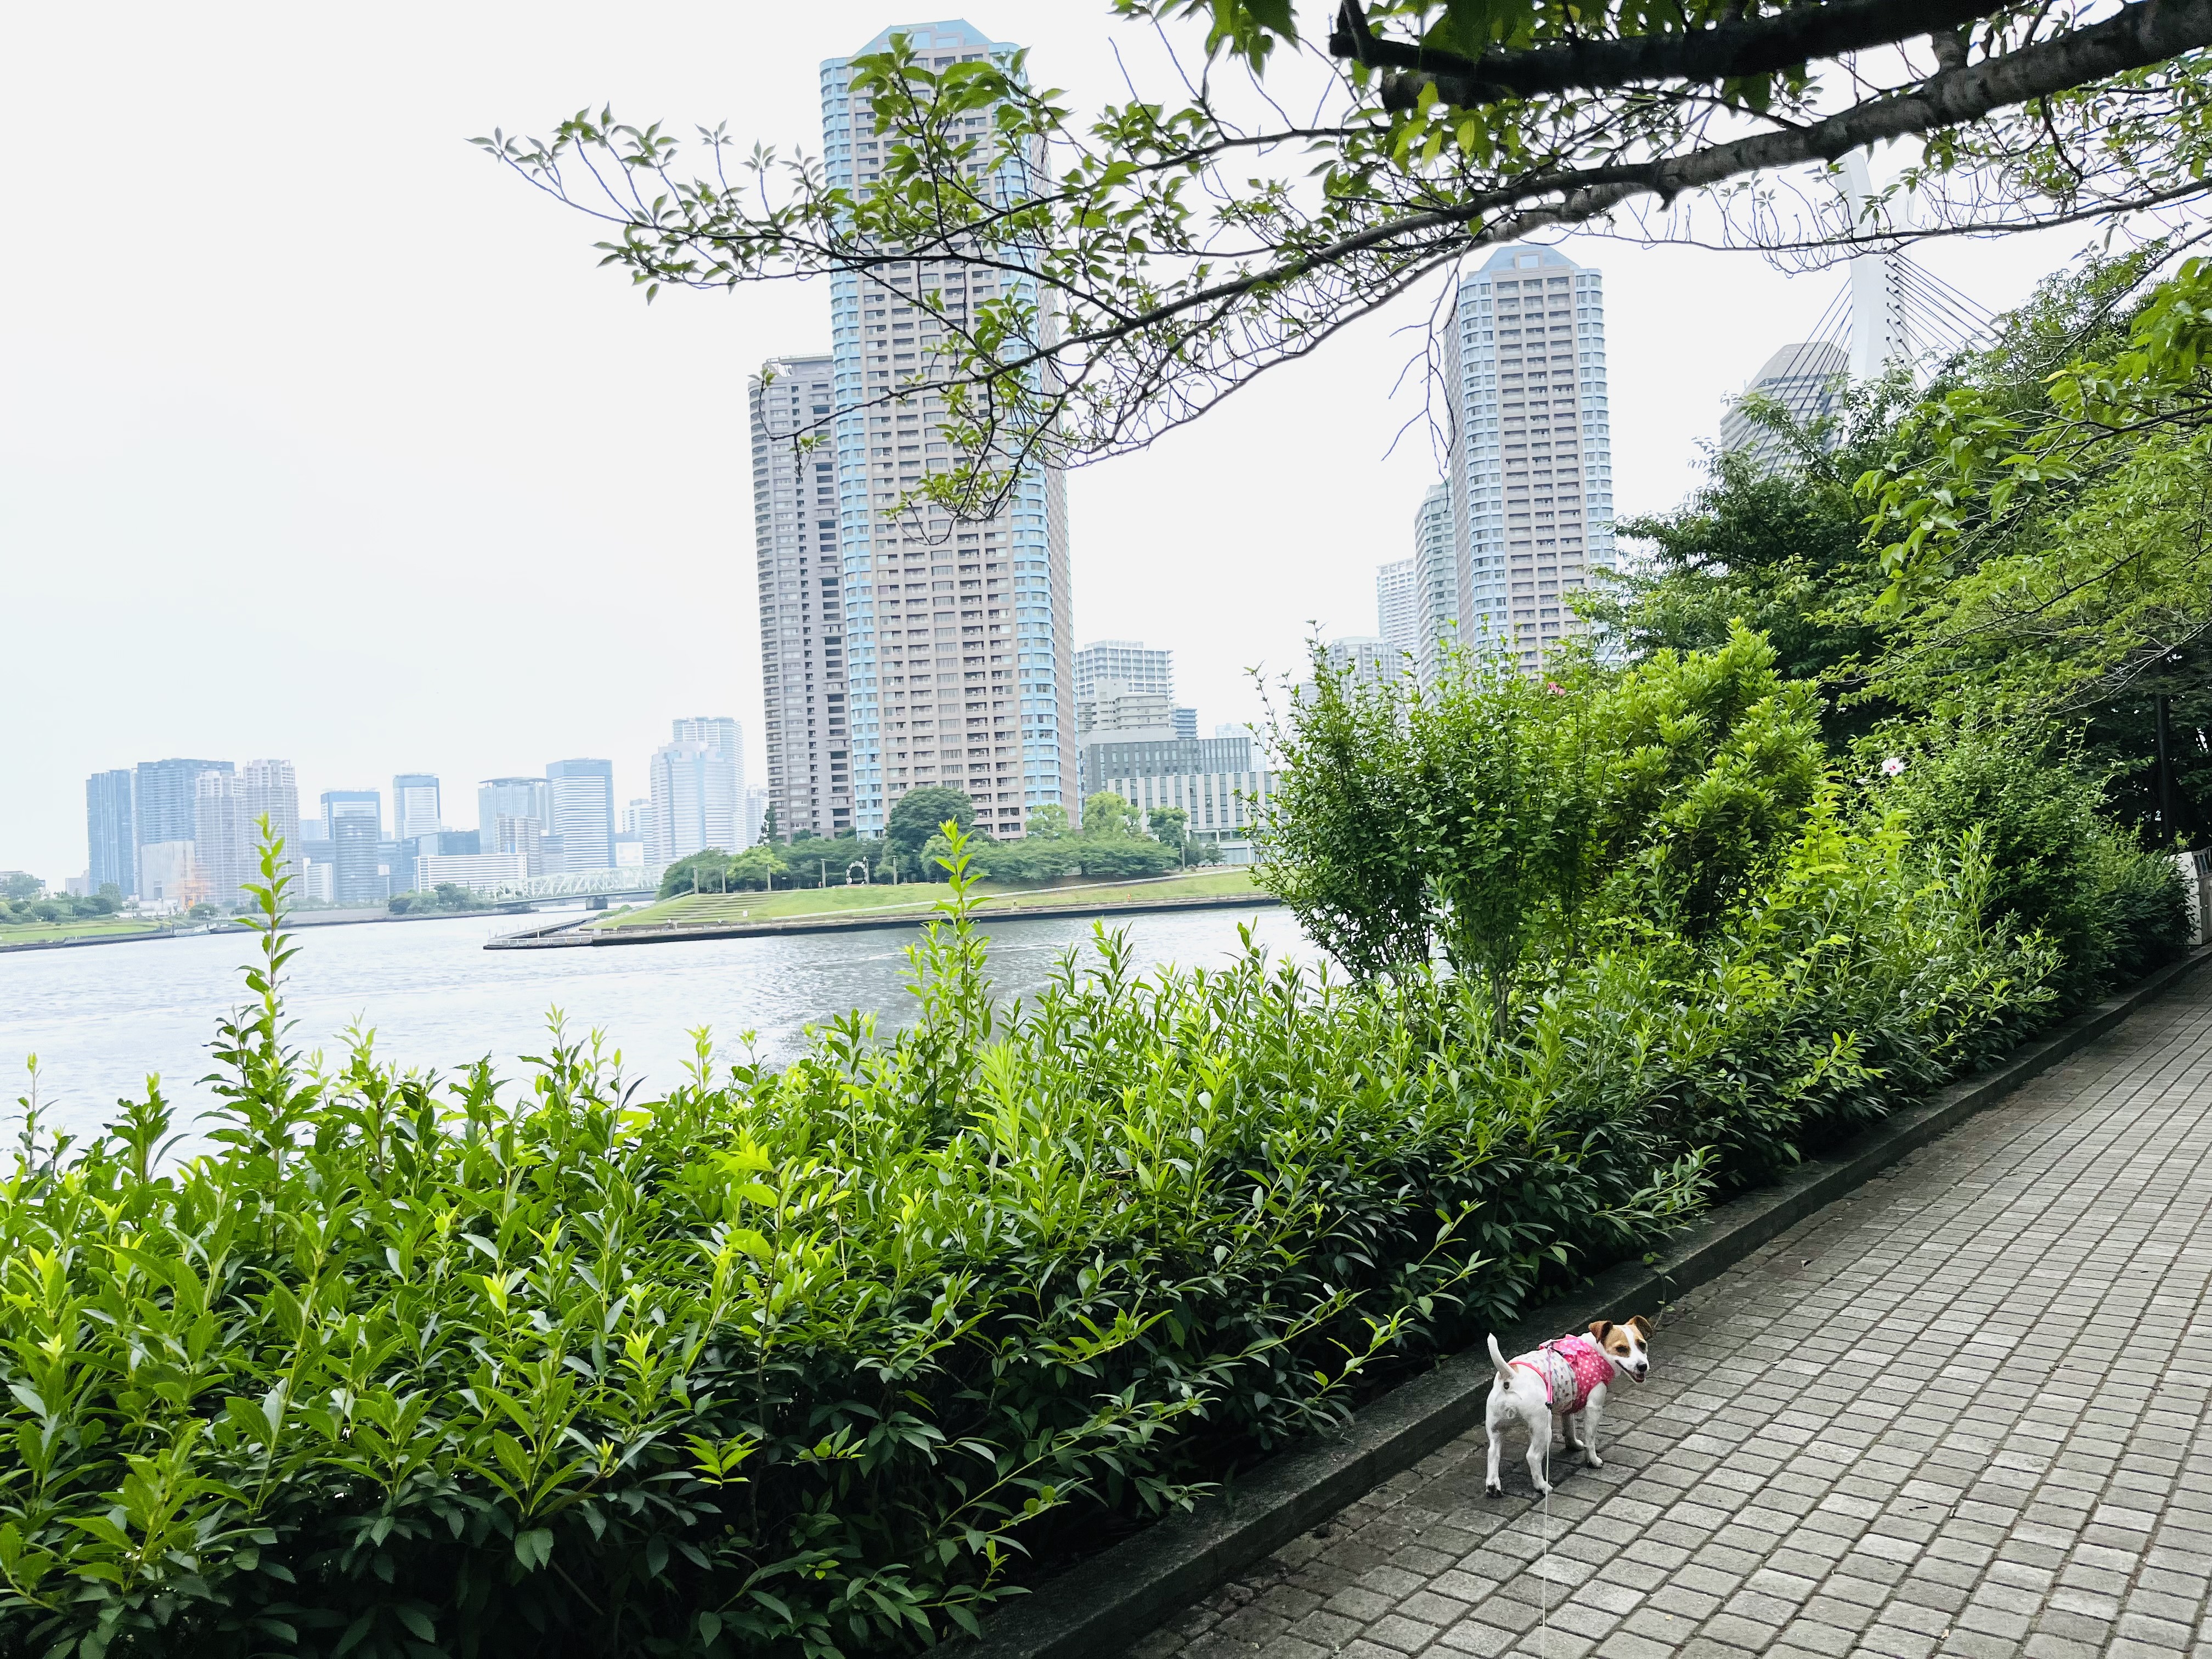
[(1221, 807)]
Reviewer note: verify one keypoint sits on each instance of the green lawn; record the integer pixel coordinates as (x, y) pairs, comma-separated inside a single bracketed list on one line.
[(910, 898), (32, 932)]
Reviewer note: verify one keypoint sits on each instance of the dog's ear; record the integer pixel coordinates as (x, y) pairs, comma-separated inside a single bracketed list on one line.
[(1597, 1330), (1642, 1326)]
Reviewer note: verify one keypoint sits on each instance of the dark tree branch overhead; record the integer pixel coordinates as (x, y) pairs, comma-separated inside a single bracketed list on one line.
[(1150, 263), (1728, 51)]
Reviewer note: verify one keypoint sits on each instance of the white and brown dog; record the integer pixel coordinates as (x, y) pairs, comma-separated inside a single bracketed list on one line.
[(1563, 1383)]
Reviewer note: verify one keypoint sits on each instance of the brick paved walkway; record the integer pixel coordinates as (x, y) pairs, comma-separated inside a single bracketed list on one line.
[(1962, 1412)]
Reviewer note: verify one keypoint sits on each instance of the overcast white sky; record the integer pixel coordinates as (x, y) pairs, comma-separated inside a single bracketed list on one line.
[(323, 437)]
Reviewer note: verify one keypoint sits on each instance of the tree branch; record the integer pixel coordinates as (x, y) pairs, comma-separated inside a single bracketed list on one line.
[(1764, 46)]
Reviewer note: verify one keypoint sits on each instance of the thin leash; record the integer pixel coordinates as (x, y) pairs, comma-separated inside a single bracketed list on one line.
[(1543, 1560)]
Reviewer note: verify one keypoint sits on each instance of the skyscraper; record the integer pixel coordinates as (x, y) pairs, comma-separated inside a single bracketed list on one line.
[(352, 803), (717, 732), (1436, 578), (1368, 657), (581, 793), (512, 798), (110, 840), (415, 809), (1807, 380), (956, 634), (698, 792), (1398, 617), (355, 879), (222, 838), (1531, 464), (164, 806), (269, 789), (801, 598), (162, 794)]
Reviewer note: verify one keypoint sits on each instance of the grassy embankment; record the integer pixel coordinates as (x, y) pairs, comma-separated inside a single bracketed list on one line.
[(44, 933), (917, 898)]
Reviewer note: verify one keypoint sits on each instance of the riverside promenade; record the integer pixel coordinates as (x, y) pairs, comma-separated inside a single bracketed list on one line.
[(1963, 1411)]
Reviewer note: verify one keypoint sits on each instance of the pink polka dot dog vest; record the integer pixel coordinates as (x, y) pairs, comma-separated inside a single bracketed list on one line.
[(1570, 1368)]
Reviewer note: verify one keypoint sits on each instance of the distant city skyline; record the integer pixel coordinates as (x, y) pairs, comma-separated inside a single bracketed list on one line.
[(179, 831)]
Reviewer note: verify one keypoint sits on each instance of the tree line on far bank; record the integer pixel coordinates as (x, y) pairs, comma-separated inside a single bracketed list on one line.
[(1116, 841)]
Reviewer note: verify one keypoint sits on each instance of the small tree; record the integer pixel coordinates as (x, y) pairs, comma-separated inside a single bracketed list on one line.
[(754, 867), (1171, 825), (1107, 814), (921, 814), (1047, 822)]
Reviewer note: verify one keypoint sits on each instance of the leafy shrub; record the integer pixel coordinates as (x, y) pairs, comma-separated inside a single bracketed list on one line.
[(2056, 866), (1500, 815), (818, 1361)]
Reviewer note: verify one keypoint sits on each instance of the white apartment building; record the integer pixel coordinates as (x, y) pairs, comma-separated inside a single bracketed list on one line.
[(1128, 663), (1436, 578), (956, 633), (1368, 656), (698, 787), (227, 808), (1116, 713), (1530, 483), (1397, 608), (795, 539)]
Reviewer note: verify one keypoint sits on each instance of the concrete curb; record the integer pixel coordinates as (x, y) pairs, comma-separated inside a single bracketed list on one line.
[(1103, 1606)]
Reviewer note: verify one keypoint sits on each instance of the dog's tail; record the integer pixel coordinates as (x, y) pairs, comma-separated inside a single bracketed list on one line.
[(1497, 1359)]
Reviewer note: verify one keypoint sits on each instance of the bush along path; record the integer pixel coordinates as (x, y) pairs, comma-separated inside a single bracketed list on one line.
[(824, 1359), (1984, 1434)]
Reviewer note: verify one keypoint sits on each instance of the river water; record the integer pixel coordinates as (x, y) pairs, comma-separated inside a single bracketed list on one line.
[(102, 1017)]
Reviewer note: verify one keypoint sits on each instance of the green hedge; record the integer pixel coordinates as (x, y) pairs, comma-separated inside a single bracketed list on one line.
[(822, 1359)]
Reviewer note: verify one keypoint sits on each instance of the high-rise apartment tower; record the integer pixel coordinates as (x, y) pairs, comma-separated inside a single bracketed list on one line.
[(581, 796), (810, 771), (162, 793), (1530, 486), (1436, 578), (165, 812), (698, 784), (415, 809), (957, 632), (112, 845), (1397, 612)]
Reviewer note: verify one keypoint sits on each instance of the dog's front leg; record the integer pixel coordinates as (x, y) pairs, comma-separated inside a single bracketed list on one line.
[(1593, 1414)]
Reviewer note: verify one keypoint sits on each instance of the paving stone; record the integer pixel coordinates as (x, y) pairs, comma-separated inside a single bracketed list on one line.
[(1952, 1455), (1402, 1634)]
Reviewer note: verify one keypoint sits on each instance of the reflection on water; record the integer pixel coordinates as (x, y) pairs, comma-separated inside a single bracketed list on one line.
[(102, 1017)]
